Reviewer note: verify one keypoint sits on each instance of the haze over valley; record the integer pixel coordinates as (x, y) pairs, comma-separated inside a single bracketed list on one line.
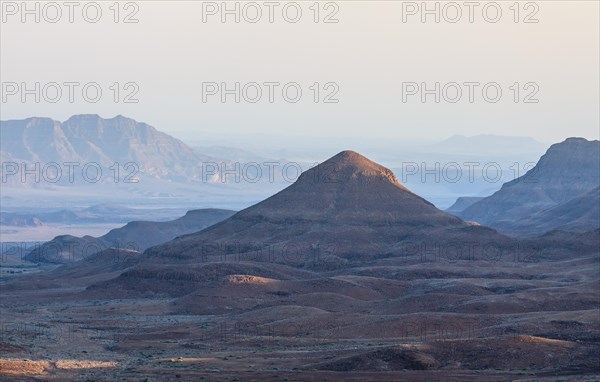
[(66, 169)]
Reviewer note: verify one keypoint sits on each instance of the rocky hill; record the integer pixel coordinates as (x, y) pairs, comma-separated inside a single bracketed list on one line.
[(135, 236)]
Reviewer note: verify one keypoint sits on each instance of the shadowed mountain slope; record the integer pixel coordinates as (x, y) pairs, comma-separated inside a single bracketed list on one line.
[(567, 170), (463, 203), (580, 214)]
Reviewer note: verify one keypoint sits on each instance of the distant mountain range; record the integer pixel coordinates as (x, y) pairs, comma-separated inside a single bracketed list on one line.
[(100, 213), (565, 180), (232, 154), (453, 156), (92, 139), (120, 140), (136, 236), (485, 144), (160, 161)]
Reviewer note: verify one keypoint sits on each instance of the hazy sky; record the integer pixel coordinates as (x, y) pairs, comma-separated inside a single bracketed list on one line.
[(370, 55)]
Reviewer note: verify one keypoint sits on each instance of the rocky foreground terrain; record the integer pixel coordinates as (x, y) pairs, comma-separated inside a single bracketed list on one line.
[(345, 275)]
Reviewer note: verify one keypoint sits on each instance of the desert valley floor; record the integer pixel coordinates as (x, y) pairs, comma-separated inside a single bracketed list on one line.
[(392, 319)]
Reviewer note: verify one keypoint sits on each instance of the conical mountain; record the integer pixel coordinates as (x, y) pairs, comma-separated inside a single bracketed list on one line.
[(353, 207), (347, 189)]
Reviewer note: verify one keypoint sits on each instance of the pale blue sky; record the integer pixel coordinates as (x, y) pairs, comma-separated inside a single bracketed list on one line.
[(369, 54)]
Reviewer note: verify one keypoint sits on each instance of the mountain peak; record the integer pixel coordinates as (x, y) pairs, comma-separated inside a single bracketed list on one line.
[(349, 154), (347, 166), (575, 141), (91, 138), (346, 188), (349, 158), (84, 118), (574, 149)]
